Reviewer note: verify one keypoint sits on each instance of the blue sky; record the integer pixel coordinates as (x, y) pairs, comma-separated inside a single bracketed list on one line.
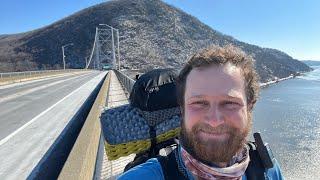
[(288, 25)]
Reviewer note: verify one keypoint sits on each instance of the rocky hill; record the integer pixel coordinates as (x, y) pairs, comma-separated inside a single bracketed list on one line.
[(152, 34)]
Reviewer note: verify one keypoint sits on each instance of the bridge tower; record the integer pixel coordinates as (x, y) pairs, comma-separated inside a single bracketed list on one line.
[(106, 48)]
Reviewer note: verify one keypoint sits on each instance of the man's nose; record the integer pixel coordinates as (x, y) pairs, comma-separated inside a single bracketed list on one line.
[(214, 116)]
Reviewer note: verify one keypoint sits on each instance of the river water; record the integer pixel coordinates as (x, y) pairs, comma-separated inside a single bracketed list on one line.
[(288, 117)]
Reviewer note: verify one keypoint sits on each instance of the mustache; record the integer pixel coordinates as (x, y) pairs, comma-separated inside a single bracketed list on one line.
[(212, 130)]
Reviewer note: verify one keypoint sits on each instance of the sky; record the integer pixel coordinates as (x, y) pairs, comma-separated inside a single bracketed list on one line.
[(292, 26)]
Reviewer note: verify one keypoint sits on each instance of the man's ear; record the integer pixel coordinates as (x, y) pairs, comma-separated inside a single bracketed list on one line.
[(181, 115), (181, 111), (250, 105)]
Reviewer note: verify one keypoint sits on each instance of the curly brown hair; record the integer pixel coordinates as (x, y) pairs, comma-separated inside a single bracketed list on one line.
[(219, 56)]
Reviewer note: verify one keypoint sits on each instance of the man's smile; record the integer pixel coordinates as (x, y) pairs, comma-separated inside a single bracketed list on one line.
[(209, 135)]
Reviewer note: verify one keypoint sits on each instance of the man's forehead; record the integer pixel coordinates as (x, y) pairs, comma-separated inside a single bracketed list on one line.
[(223, 68), (232, 93), (224, 80)]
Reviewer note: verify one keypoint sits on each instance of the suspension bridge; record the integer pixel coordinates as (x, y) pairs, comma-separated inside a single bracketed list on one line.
[(50, 121)]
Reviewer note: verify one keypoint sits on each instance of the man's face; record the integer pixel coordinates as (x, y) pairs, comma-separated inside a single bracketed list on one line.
[(215, 119)]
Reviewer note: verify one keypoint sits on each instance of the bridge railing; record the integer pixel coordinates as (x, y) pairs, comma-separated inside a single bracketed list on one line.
[(11, 77), (31, 73), (126, 81)]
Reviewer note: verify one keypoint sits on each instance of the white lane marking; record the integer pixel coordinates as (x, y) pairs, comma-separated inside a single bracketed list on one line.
[(39, 115), (28, 91)]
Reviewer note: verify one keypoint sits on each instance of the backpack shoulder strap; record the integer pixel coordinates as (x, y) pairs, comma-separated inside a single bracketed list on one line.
[(170, 167), (255, 169)]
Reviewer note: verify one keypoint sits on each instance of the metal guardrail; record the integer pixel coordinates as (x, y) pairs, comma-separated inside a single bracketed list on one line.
[(13, 77), (126, 81), (31, 73)]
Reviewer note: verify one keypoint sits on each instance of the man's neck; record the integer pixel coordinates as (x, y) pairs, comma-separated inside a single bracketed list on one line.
[(221, 164), (213, 164), (203, 170)]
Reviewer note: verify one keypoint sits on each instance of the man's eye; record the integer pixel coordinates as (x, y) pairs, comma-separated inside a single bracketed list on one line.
[(200, 103), (230, 104)]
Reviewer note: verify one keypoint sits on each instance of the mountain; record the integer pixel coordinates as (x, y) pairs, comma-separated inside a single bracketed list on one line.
[(152, 34), (311, 62)]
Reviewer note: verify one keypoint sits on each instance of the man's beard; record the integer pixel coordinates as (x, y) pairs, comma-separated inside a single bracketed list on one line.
[(213, 150)]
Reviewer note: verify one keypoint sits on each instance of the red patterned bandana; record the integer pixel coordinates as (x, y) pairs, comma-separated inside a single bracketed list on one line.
[(203, 171)]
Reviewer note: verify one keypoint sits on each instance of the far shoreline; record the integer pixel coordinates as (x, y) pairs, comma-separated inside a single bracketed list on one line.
[(267, 84)]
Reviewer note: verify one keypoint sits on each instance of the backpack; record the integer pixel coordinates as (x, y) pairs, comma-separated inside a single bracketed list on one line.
[(154, 91), (151, 118)]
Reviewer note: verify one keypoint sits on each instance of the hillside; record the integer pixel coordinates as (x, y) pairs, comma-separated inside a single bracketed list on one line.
[(152, 34)]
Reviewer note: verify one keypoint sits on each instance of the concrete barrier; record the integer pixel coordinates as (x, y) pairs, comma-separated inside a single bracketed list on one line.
[(82, 158)]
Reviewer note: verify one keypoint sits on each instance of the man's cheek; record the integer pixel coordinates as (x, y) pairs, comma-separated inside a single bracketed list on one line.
[(238, 119), (190, 119)]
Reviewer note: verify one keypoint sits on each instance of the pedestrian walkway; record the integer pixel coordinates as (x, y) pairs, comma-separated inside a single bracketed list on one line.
[(106, 169)]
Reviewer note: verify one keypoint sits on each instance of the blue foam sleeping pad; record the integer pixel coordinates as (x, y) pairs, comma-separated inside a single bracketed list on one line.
[(124, 124)]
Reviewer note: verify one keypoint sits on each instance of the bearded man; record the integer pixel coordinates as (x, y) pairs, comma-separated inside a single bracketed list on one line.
[(217, 90)]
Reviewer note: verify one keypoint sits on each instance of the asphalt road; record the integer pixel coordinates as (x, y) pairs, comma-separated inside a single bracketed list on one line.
[(33, 114)]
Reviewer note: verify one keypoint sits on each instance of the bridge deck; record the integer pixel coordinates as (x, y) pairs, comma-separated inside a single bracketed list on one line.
[(106, 169)]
